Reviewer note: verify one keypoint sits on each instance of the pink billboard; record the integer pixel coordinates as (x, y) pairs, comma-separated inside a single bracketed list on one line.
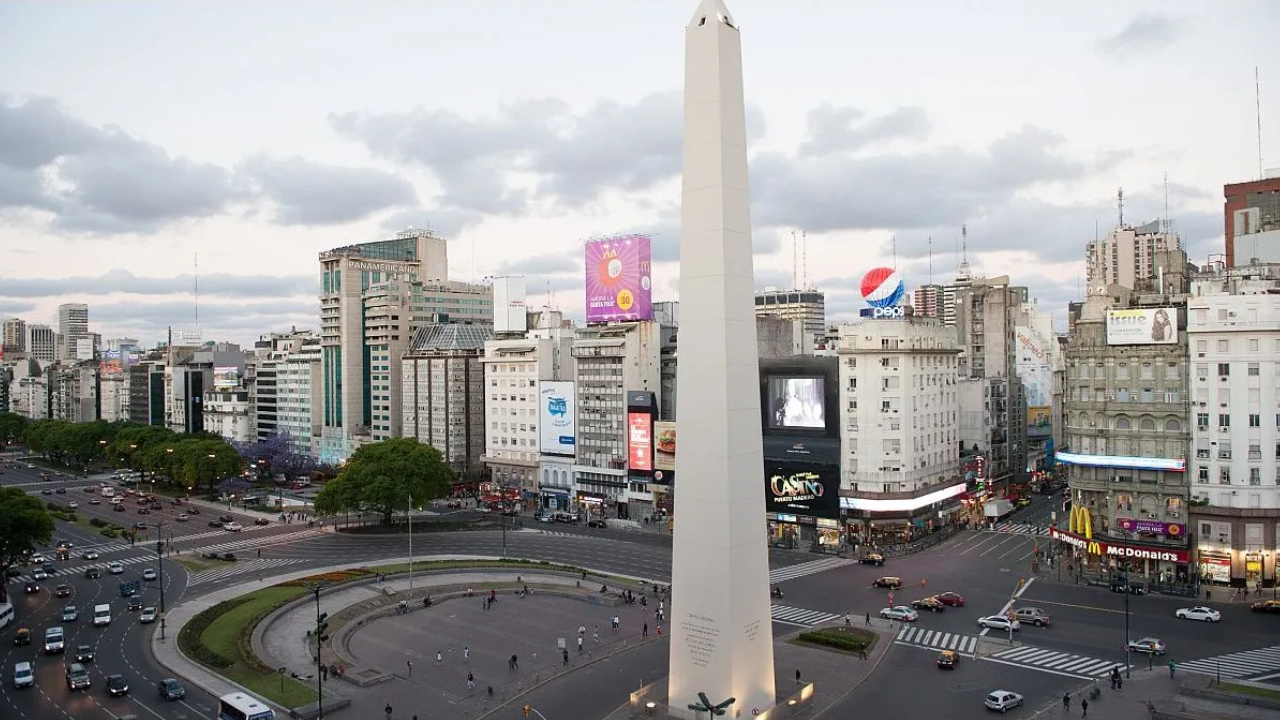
[(619, 287)]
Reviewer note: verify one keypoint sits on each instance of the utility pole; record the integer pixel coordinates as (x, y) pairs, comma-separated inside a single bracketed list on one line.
[(1127, 638), (409, 517), (322, 626), (160, 572)]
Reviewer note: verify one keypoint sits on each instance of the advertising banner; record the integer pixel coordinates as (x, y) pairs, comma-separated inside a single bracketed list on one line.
[(664, 452), (1154, 527), (557, 428), (1036, 372), (1118, 551), (112, 362), (802, 489), (1143, 326), (640, 441), (226, 376), (1215, 569), (618, 283)]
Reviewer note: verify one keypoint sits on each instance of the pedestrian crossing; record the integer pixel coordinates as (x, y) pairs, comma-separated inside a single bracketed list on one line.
[(252, 543), (1237, 665), (801, 616), (812, 567), (1061, 663), (240, 567), (937, 639), (1020, 528)]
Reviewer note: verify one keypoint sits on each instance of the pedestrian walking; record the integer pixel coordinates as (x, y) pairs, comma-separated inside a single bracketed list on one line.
[(868, 619), (410, 664), (1084, 707), (644, 632), (1172, 668), (579, 645), (471, 681), (466, 652), (797, 676), (387, 710), (847, 621), (659, 631), (595, 634), (259, 553), (564, 654), (439, 657), (1066, 702), (582, 630)]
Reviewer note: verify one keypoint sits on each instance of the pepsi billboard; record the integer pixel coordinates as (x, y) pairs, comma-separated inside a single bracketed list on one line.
[(884, 290)]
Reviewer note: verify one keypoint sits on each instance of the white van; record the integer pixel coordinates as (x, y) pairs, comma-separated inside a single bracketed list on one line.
[(54, 641), (108, 492), (101, 615), (23, 677)]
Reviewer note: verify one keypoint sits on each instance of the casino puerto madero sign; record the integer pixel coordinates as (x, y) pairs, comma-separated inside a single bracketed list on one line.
[(884, 291)]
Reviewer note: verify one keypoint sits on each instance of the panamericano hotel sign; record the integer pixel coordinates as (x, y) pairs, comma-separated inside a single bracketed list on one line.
[(1098, 547)]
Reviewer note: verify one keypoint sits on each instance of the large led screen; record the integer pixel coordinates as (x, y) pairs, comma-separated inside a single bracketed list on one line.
[(640, 441), (618, 285), (796, 402)]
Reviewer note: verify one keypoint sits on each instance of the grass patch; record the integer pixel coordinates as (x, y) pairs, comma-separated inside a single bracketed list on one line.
[(197, 564), (849, 640), (219, 638), (1248, 690)]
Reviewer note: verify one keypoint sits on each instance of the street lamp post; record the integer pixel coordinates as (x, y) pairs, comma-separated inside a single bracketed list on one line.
[(409, 517), (1127, 665), (160, 572), (321, 626)]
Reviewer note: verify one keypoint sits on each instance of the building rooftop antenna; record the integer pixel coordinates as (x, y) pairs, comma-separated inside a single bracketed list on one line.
[(196, 286), (930, 259), (1120, 205), (795, 262), (894, 240), (1257, 107), (804, 259), (964, 251)]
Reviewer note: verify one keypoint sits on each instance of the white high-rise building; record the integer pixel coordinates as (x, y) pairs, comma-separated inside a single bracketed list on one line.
[(1128, 256), (227, 414), (1233, 331), (42, 343), (73, 326), (297, 386), (514, 369)]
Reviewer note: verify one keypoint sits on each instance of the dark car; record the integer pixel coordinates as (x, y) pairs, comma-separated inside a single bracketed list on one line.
[(215, 523), (22, 637), (1266, 606), (31, 588), (887, 582), (596, 523), (140, 526), (93, 572), (62, 591), (947, 659), (117, 685), (135, 603), (226, 518), (262, 521), (872, 559), (61, 491), (930, 604), (117, 508), (171, 689), (193, 510), (84, 654), (950, 598), (49, 567)]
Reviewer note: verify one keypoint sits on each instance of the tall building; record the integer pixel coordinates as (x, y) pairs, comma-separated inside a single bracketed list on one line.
[(15, 335), (443, 386), (73, 326), (808, 306), (42, 343), (227, 413), (1127, 435), (297, 395), (927, 300), (148, 395), (900, 425), (1233, 330), (514, 369), (374, 295), (1039, 356), (1253, 209), (1128, 256)]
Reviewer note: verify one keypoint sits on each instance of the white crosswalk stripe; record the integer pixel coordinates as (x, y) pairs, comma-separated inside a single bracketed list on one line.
[(801, 616), (248, 543), (1034, 658), (812, 567), (922, 637), (1237, 665), (1021, 528), (556, 533), (236, 568)]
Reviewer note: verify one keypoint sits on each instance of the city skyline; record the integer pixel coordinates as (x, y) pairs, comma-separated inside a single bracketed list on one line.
[(518, 165)]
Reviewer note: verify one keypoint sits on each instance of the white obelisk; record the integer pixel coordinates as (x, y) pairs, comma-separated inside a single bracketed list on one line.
[(720, 628)]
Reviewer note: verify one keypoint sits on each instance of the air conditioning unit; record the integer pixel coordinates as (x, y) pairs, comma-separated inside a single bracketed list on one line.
[(1224, 429), (1152, 516)]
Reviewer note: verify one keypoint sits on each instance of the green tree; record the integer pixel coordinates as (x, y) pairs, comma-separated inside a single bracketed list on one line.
[(385, 477), (24, 521), (12, 427)]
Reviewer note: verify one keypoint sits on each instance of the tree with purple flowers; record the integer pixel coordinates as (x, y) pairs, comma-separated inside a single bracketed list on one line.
[(275, 455)]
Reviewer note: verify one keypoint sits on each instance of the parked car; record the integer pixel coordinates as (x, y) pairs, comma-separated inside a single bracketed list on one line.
[(1200, 612), (1002, 700), (1266, 606), (901, 613), (183, 517)]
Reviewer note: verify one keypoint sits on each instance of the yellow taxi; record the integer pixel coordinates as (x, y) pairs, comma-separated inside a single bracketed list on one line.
[(22, 637), (947, 660), (887, 582)]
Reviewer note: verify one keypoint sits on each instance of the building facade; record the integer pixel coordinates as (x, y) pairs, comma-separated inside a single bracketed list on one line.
[(227, 414), (14, 338), (808, 306), (297, 386), (927, 301), (443, 385), (1234, 341), (42, 343), (1127, 434), (73, 326), (1247, 207)]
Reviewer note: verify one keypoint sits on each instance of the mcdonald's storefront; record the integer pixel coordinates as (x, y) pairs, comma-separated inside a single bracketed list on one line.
[(1153, 561)]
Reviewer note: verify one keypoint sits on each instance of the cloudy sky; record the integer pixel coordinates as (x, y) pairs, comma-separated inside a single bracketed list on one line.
[(135, 137)]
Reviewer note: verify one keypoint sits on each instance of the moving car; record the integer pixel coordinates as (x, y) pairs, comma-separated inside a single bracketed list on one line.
[(117, 685), (101, 615), (54, 641), (261, 521), (872, 559), (182, 517), (1199, 612), (1149, 645), (39, 574), (77, 677), (999, 622), (950, 598), (947, 659), (22, 637), (171, 689), (929, 603), (135, 603), (91, 555), (93, 572), (84, 654), (23, 677), (901, 612), (70, 614), (887, 582), (1266, 606), (73, 505), (596, 523), (62, 590), (149, 574), (31, 587), (115, 568), (1034, 616), (1002, 700), (148, 615), (232, 527)]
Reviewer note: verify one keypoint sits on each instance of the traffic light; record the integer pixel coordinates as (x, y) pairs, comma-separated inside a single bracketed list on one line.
[(159, 546), (528, 711), (322, 626)]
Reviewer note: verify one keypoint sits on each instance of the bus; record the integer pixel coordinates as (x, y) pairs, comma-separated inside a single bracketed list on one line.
[(6, 614), (242, 706)]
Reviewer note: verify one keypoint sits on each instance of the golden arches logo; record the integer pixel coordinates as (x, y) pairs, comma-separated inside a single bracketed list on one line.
[(1081, 522)]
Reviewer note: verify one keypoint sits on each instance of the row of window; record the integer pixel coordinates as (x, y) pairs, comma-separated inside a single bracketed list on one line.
[(1224, 476), (1224, 345)]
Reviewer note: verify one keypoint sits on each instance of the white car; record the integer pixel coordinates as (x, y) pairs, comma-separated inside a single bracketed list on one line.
[(1002, 700), (901, 612), (183, 517), (999, 622), (149, 574), (70, 614), (38, 558), (233, 527), (73, 505), (40, 574), (115, 568), (1149, 645), (1200, 612), (148, 615), (91, 555)]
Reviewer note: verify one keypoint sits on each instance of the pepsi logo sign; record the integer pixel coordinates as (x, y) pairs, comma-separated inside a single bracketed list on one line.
[(883, 288)]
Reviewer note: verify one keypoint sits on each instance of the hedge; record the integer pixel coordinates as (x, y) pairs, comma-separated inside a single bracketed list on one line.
[(98, 522), (189, 636), (837, 639)]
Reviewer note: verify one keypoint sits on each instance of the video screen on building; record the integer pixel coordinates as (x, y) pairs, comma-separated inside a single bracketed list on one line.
[(796, 402)]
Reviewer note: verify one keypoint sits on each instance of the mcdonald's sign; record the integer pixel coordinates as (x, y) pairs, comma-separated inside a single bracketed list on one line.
[(1080, 521)]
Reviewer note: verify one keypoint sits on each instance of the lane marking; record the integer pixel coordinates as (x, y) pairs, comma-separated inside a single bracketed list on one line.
[(1078, 607), (1272, 676), (1005, 610), (1035, 668)]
